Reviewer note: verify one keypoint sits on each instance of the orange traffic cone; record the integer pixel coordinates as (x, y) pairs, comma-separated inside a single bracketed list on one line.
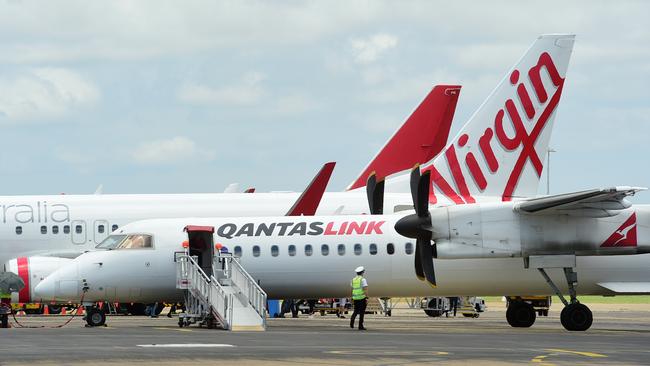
[(80, 310), (46, 309), (63, 310)]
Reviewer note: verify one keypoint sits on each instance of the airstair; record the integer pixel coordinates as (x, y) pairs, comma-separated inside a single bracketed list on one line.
[(219, 293)]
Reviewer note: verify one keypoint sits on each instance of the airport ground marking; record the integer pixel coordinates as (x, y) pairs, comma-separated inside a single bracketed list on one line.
[(186, 345), (586, 354)]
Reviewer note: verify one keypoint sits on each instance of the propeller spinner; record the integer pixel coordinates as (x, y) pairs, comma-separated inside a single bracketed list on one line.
[(418, 226)]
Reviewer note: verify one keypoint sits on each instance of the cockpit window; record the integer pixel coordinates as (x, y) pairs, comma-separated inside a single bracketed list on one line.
[(133, 241)]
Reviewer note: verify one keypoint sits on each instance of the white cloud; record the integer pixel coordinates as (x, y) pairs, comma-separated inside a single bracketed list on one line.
[(246, 92), (44, 93), (294, 104), (368, 50), (172, 150)]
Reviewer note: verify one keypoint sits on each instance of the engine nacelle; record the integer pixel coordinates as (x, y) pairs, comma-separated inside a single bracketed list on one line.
[(32, 270), (497, 230)]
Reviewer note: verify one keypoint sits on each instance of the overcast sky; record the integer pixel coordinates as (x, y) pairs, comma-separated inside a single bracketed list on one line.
[(189, 96)]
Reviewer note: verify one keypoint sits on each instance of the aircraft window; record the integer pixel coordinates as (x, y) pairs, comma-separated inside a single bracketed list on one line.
[(100, 229), (324, 249), (78, 229), (292, 250), (19, 230), (237, 251), (43, 229), (66, 229), (275, 250), (357, 249), (373, 249), (308, 250), (114, 227), (408, 248), (341, 249), (256, 251), (133, 241), (55, 229), (390, 248)]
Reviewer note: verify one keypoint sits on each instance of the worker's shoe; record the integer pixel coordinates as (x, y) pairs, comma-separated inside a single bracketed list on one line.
[(362, 328), (352, 325)]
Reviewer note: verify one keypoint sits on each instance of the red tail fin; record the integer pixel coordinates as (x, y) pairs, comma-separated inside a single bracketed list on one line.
[(420, 139)]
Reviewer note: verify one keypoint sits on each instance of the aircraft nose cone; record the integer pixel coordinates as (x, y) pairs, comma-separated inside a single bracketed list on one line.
[(46, 289), (58, 287)]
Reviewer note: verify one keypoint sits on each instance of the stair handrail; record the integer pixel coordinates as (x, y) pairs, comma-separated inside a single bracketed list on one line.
[(248, 286), (209, 288)]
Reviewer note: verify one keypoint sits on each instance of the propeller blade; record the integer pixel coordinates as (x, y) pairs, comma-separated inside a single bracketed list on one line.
[(418, 264), (415, 179), (426, 258), (375, 193), (422, 203)]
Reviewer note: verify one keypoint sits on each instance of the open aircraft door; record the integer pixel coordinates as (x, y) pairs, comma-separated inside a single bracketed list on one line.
[(201, 245)]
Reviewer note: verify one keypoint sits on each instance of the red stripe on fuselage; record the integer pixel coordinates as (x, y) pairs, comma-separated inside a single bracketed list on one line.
[(23, 272)]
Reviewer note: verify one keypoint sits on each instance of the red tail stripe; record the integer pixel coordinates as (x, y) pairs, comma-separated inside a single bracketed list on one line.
[(23, 272)]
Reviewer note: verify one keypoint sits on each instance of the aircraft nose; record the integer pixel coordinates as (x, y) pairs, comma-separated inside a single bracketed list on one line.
[(46, 289), (61, 285)]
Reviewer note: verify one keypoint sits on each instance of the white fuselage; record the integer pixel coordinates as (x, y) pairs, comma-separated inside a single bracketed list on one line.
[(143, 275)]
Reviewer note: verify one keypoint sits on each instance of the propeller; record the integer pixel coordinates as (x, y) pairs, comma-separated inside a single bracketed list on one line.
[(418, 226), (375, 192)]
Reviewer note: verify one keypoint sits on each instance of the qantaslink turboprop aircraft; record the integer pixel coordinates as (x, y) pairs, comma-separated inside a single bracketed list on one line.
[(513, 245), (43, 232)]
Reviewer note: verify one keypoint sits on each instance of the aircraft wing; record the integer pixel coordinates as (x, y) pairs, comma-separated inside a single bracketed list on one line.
[(591, 203)]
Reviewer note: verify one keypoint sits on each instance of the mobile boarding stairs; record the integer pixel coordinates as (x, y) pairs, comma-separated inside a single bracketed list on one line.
[(219, 293)]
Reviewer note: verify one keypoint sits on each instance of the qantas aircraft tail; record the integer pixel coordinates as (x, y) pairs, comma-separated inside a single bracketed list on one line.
[(420, 139), (500, 151)]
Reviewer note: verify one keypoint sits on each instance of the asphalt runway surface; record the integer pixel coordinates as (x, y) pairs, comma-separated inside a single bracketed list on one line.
[(620, 335)]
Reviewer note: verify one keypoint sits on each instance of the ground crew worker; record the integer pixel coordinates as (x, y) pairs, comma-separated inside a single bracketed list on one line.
[(5, 308), (359, 297)]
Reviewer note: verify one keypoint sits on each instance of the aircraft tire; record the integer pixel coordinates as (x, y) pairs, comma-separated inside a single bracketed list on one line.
[(95, 317), (55, 309), (520, 314), (433, 313), (576, 317)]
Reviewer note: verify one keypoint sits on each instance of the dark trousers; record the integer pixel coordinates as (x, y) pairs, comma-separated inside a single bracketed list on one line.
[(359, 309)]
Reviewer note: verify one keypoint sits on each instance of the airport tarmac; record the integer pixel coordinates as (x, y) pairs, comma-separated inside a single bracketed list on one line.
[(620, 335)]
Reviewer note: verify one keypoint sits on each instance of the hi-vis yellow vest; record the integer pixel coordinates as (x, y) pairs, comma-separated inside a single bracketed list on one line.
[(5, 295), (357, 290)]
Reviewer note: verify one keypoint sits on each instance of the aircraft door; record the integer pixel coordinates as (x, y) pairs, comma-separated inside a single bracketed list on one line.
[(201, 245), (78, 232), (101, 230)]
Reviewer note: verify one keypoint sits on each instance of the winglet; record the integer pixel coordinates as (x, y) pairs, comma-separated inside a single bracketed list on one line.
[(250, 190), (308, 202)]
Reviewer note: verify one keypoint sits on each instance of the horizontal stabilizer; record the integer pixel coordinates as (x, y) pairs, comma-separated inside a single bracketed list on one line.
[(591, 203)]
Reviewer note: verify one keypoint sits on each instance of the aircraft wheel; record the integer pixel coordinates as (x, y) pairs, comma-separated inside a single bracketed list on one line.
[(576, 317), (55, 309), (520, 314), (95, 317), (433, 313)]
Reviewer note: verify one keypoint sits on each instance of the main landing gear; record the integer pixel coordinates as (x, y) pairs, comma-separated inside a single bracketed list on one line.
[(575, 316)]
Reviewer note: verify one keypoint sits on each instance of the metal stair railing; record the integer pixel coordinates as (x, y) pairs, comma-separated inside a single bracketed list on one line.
[(207, 292), (248, 286)]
